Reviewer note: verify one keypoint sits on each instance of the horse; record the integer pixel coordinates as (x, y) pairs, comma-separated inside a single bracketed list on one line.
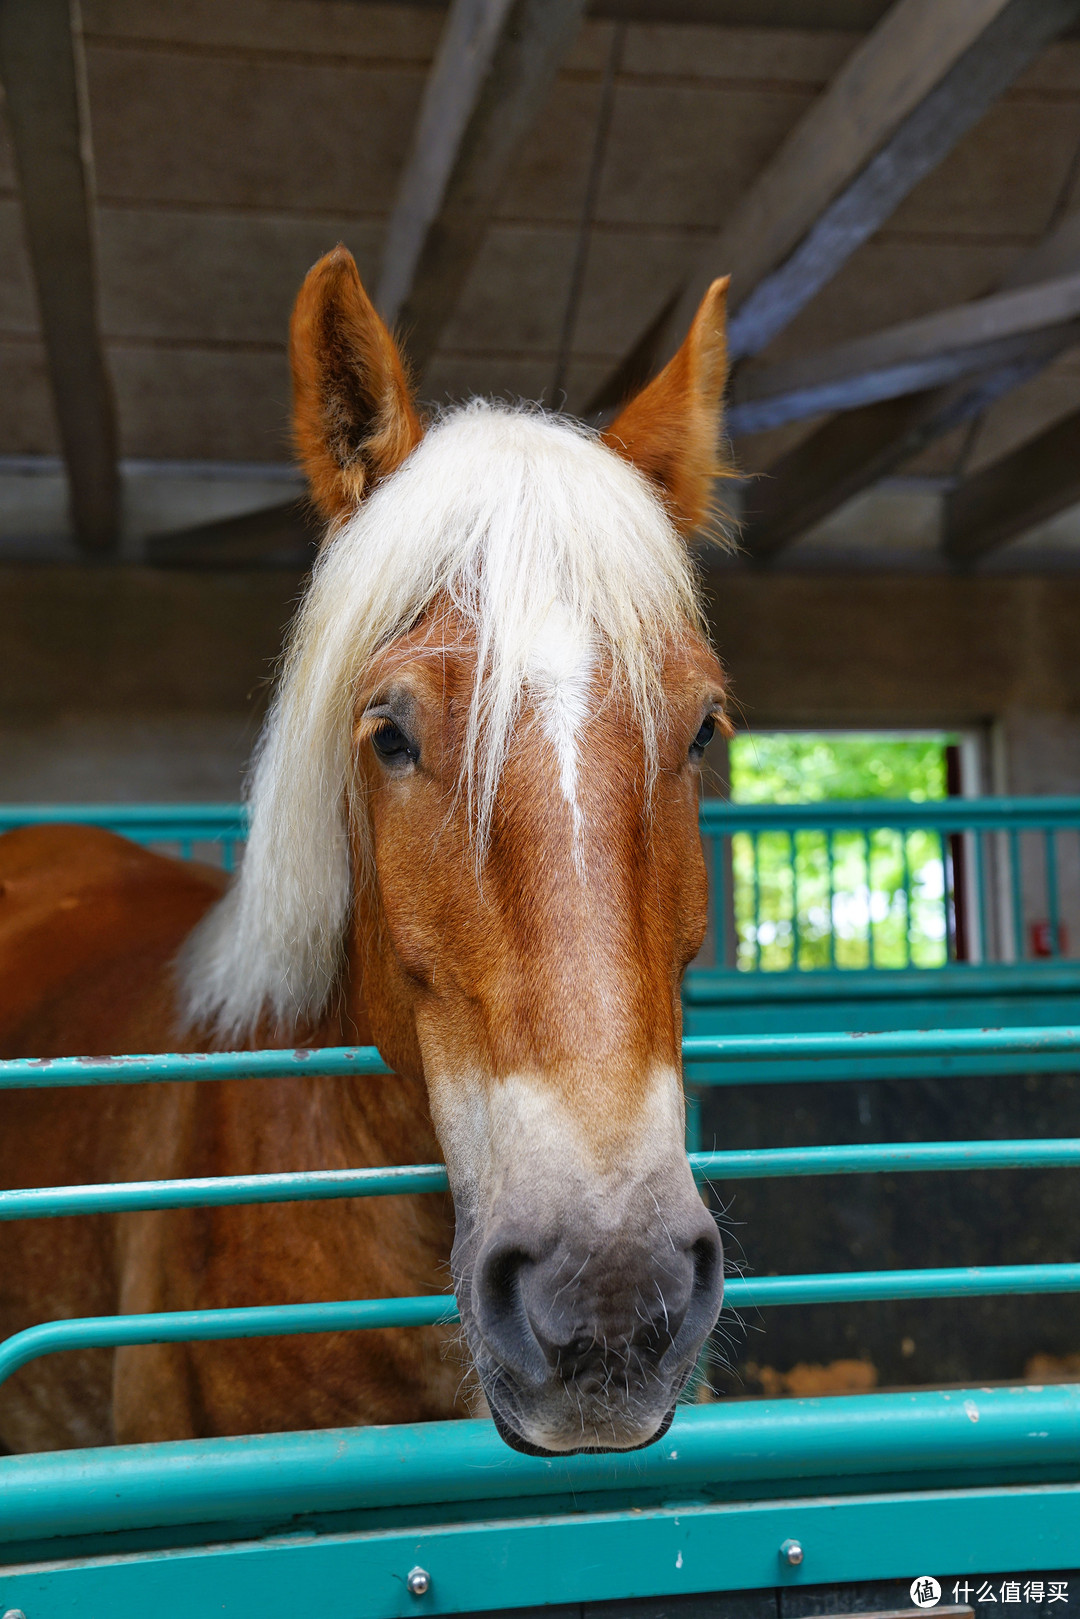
[(473, 843)]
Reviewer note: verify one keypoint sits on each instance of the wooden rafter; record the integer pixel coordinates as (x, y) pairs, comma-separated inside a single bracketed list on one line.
[(852, 451), (493, 72), (913, 355), (897, 107), (1010, 496), (44, 82)]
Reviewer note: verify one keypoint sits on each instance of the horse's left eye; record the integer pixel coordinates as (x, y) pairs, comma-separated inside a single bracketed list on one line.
[(391, 743), (703, 738)]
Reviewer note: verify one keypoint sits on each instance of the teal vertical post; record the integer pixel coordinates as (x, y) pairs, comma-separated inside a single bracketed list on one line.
[(719, 900), (793, 851), (757, 901), (1052, 909), (871, 956), (947, 896), (1017, 893), (982, 909)]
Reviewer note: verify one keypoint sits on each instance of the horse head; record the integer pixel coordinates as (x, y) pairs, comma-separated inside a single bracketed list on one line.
[(475, 807)]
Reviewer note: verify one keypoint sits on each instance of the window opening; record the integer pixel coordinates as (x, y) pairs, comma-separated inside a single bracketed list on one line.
[(863, 897)]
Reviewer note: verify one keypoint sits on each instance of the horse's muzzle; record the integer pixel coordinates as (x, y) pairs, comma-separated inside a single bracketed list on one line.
[(587, 1346)]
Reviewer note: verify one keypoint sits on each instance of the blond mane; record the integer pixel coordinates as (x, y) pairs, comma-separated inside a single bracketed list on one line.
[(508, 514)]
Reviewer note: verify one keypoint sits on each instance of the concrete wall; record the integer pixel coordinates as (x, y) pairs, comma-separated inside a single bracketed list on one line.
[(139, 683), (133, 684), (897, 650)]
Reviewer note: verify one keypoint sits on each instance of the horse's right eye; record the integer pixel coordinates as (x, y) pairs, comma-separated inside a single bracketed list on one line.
[(704, 736), (391, 743)]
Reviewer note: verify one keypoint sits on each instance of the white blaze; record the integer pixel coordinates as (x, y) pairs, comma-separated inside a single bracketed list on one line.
[(560, 679), (520, 1130)]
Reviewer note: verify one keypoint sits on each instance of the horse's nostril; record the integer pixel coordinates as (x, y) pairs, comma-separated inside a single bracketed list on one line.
[(705, 1262), (500, 1273), (501, 1313), (706, 1256)]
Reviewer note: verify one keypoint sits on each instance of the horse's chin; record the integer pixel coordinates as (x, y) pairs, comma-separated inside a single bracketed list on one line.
[(527, 1448)]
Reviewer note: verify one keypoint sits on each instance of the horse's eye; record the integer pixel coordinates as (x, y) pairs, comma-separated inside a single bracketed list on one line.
[(391, 743), (703, 738)]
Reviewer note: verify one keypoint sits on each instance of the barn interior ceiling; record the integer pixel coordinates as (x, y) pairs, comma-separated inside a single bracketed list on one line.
[(537, 192)]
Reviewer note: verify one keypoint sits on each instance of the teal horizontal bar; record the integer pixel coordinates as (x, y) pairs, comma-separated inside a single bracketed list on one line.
[(29, 1073), (717, 816), (313, 1185), (975, 982), (632, 1556), (911, 1158), (870, 814), (350, 1315), (875, 1286), (221, 1191), (34, 1072), (202, 821), (894, 1043), (201, 1326), (279, 1476)]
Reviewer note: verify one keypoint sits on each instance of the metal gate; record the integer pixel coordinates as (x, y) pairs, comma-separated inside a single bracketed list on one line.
[(442, 1517)]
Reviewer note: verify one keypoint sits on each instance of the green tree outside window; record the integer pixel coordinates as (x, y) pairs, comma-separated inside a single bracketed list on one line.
[(859, 901)]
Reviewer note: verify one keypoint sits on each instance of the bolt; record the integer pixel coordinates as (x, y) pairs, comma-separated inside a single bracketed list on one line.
[(418, 1580), (791, 1551), (13, 1613)]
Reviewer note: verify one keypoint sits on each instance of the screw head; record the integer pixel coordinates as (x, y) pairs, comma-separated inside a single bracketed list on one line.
[(13, 1613), (791, 1551), (418, 1581)]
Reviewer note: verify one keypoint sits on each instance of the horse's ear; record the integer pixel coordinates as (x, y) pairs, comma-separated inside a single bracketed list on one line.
[(353, 416), (671, 430)]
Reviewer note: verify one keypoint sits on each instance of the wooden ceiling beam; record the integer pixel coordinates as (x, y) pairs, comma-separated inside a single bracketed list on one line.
[(845, 16), (1010, 496), (905, 96), (44, 82), (854, 16), (802, 16), (850, 452), (492, 74), (902, 359)]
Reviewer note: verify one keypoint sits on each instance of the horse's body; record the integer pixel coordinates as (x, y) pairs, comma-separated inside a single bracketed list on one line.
[(90, 926), (474, 843)]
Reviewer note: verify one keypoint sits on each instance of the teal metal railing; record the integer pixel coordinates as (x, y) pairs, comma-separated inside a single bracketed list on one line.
[(882, 884), (754, 1056), (757, 1443), (761, 1053), (740, 1447), (802, 887), (207, 831)]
